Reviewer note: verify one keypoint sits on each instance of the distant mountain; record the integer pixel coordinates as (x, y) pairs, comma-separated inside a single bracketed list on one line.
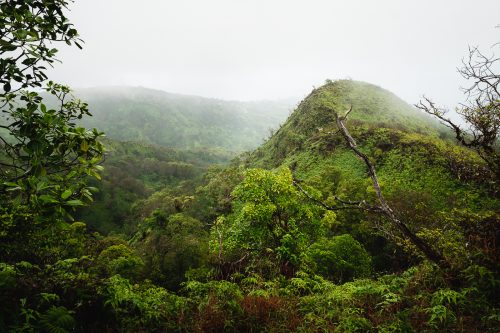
[(181, 121)]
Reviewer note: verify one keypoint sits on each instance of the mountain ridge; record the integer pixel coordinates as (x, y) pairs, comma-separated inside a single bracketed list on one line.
[(423, 173), (181, 121)]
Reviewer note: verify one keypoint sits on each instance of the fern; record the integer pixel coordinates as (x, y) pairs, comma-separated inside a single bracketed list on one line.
[(440, 315), (57, 320)]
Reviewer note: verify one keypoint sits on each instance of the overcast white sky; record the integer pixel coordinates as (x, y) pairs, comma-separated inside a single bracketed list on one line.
[(270, 49)]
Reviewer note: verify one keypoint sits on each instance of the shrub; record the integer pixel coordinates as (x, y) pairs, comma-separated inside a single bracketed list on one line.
[(340, 258), (120, 259)]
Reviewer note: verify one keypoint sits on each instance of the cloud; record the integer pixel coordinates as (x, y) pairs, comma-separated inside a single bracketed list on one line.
[(275, 49)]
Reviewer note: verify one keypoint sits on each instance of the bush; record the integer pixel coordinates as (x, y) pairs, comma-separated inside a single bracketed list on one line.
[(143, 308), (341, 258), (120, 259)]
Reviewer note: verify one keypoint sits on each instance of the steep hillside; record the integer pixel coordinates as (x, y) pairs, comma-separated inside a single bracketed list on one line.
[(372, 107), (180, 121), (403, 142), (423, 175)]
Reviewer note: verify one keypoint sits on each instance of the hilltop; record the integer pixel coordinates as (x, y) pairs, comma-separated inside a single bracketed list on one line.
[(372, 107)]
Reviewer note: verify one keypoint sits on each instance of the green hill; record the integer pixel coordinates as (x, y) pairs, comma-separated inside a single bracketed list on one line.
[(423, 174), (181, 121), (372, 107), (236, 248)]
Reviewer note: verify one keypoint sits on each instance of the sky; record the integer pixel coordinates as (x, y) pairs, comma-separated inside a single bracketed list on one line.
[(274, 49)]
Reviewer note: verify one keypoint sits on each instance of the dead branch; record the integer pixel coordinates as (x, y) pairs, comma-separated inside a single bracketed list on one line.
[(481, 111), (384, 207)]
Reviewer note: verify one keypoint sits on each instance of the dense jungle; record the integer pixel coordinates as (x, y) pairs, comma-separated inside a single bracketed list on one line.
[(129, 209)]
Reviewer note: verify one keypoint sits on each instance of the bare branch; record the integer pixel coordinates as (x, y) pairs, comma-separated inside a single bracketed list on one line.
[(430, 107), (384, 207), (347, 113), (483, 119)]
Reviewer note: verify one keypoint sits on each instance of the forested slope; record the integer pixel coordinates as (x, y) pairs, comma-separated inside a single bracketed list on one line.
[(423, 174), (134, 171), (272, 241), (359, 214), (372, 107), (248, 250), (181, 121)]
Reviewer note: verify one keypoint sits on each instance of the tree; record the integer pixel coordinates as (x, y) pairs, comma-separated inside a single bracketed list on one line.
[(171, 245), (480, 111), (270, 219), (27, 31), (340, 258), (45, 157)]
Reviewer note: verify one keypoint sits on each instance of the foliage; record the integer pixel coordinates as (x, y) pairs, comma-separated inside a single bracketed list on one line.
[(45, 155), (145, 307), (46, 160), (133, 179), (236, 249), (28, 30), (340, 258), (270, 216), (214, 195), (57, 320), (120, 259), (170, 247)]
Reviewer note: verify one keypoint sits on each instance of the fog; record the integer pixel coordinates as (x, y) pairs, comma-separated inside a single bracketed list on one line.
[(248, 50)]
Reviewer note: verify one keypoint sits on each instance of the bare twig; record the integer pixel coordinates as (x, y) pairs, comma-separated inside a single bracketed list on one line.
[(480, 111)]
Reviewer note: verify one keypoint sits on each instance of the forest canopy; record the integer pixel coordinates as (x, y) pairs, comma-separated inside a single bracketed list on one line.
[(358, 214)]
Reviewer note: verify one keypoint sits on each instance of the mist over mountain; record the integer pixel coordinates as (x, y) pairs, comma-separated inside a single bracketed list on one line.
[(129, 209), (181, 121)]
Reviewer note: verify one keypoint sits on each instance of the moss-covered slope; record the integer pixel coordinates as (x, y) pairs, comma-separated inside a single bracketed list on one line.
[(313, 119)]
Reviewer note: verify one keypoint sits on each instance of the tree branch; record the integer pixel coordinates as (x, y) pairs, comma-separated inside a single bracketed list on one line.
[(346, 204), (428, 251)]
